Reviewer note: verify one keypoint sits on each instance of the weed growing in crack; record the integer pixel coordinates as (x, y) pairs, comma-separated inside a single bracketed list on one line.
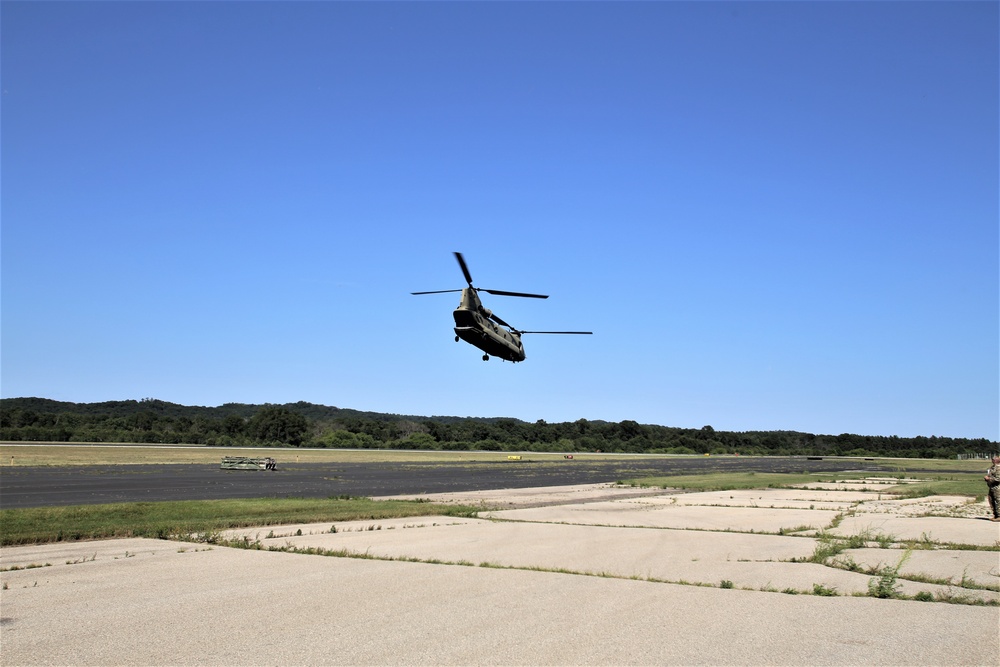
[(885, 586), (823, 591), (32, 566)]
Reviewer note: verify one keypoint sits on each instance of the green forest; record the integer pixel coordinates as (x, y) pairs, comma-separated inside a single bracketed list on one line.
[(310, 425)]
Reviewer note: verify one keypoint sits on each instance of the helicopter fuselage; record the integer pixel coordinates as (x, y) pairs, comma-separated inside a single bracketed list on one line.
[(473, 325)]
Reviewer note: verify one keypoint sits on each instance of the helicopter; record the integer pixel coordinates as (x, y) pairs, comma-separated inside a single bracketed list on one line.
[(477, 325)]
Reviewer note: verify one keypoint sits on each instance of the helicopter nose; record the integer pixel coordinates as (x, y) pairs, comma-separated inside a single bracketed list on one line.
[(465, 318)]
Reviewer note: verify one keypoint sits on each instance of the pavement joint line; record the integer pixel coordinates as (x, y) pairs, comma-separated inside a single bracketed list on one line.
[(818, 589)]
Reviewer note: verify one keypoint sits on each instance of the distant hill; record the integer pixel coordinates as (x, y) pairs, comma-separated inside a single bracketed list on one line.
[(311, 411)]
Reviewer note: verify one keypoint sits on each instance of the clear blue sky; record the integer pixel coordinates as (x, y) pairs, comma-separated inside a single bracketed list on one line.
[(772, 215)]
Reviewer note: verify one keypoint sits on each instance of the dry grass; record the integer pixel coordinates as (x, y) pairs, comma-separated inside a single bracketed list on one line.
[(54, 454), (62, 454)]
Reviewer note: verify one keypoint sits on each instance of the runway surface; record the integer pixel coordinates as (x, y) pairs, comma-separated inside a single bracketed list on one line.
[(95, 484)]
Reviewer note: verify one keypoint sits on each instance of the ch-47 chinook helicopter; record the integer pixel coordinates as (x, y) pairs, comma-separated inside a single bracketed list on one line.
[(477, 325)]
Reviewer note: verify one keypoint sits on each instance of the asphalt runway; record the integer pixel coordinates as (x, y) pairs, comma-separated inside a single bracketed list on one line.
[(96, 484)]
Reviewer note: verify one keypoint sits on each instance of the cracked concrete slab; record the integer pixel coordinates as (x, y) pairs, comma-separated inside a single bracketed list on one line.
[(982, 568), (929, 529), (588, 575), (750, 561), (226, 606)]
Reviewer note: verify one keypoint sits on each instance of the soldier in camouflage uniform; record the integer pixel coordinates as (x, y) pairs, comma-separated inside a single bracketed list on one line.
[(993, 483)]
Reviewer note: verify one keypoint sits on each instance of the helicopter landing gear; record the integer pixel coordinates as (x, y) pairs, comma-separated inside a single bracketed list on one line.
[(456, 339), (486, 357)]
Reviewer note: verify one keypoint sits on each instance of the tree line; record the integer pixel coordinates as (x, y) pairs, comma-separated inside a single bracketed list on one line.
[(310, 425)]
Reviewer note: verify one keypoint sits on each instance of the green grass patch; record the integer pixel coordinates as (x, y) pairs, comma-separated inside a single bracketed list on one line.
[(936, 465), (957, 483), (971, 484), (166, 519)]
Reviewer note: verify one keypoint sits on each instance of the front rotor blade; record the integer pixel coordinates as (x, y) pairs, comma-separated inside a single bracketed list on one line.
[(503, 293), (465, 269), (440, 291), (558, 332)]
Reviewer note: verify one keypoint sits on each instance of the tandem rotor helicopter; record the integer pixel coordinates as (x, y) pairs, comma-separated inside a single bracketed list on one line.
[(477, 325)]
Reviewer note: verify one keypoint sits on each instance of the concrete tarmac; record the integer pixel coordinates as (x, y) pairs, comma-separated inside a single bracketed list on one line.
[(581, 575)]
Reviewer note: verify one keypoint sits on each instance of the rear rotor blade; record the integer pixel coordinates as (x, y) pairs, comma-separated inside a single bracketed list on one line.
[(440, 291), (497, 319), (557, 332)]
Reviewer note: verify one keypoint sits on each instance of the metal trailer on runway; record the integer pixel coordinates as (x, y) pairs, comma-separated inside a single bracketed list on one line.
[(248, 463)]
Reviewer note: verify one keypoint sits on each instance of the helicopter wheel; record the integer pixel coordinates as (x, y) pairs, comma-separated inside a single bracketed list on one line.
[(456, 339), (486, 357)]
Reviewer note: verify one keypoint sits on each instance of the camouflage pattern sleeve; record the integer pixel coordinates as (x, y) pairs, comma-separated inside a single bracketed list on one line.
[(993, 474)]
